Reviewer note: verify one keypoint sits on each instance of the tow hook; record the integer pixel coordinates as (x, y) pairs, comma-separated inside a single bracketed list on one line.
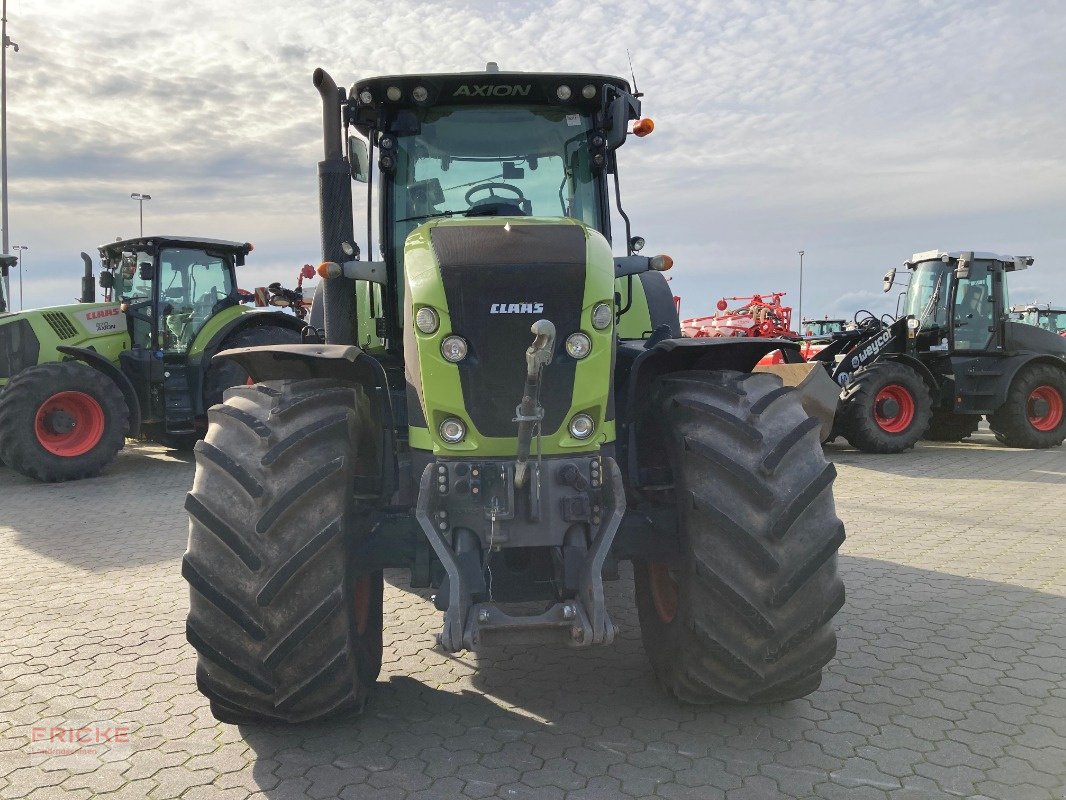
[(530, 413)]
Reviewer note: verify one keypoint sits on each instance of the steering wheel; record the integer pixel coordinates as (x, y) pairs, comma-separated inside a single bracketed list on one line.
[(491, 188)]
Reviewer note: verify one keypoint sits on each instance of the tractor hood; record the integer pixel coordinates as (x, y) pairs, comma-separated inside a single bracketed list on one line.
[(28, 338), (488, 281), (75, 321)]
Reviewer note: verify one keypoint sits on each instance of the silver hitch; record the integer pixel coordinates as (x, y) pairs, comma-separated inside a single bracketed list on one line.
[(530, 413)]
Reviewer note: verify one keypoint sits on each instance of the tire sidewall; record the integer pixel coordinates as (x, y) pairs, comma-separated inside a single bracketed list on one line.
[(859, 424), (1011, 422), (26, 451)]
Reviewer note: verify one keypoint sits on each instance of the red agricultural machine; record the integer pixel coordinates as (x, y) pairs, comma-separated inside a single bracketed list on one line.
[(758, 315)]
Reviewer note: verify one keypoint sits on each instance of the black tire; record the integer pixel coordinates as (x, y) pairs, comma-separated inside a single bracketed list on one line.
[(947, 427), (859, 418), (23, 449), (286, 626), (221, 375), (1017, 424), (757, 586)]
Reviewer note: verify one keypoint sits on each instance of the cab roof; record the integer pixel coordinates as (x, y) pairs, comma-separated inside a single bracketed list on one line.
[(177, 241), (1011, 263)]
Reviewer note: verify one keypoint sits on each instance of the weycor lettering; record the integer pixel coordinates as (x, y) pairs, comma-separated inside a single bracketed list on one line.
[(490, 90), (517, 308)]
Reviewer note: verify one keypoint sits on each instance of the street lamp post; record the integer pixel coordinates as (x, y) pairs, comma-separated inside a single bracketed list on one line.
[(20, 248), (799, 309), (6, 43), (140, 198)]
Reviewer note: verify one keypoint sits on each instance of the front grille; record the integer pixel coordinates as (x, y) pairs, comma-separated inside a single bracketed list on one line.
[(537, 271), (60, 324)]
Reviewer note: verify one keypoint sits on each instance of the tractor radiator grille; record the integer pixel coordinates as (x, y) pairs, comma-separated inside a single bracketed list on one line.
[(60, 324)]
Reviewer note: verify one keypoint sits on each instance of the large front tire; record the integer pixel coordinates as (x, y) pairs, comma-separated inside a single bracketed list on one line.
[(885, 408), (746, 615), (287, 626), (62, 421), (225, 373)]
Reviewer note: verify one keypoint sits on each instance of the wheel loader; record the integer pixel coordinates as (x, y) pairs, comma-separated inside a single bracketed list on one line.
[(505, 408), (953, 355), (77, 380)]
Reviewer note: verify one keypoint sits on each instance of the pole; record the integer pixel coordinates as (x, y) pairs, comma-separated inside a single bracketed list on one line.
[(4, 44), (799, 310), (140, 198), (3, 128)]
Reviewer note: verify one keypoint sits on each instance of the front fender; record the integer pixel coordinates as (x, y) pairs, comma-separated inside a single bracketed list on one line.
[(101, 364), (638, 367)]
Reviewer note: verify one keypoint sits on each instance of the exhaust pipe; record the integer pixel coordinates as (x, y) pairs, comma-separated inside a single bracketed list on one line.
[(88, 285), (335, 215)]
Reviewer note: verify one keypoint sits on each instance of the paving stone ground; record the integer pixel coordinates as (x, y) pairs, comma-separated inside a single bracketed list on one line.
[(950, 679)]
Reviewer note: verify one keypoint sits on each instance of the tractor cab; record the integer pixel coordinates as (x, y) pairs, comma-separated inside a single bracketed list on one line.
[(169, 288), (821, 328), (957, 302), (1042, 316), (473, 146)]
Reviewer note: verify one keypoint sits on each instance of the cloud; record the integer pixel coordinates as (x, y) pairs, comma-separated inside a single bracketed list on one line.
[(858, 132)]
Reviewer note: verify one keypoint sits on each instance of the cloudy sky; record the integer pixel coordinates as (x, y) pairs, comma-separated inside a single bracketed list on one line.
[(859, 132)]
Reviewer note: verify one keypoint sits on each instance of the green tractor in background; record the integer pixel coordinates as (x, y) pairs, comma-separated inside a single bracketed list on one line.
[(76, 380), (507, 410)]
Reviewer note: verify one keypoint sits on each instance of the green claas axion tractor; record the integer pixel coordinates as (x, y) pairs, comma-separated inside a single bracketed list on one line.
[(507, 410), (76, 380)]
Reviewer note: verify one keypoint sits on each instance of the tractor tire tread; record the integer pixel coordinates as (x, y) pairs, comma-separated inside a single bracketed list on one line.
[(272, 602), (754, 619)]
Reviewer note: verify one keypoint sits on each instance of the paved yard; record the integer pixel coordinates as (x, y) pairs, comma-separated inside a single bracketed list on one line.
[(950, 680)]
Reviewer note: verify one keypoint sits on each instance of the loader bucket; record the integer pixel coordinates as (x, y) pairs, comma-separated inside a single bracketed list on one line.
[(819, 392)]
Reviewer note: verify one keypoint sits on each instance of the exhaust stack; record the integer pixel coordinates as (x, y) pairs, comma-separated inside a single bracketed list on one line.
[(88, 285), (335, 215)]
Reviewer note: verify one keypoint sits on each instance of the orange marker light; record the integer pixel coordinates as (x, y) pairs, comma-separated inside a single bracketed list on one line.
[(124, 307), (644, 127), (661, 263), (328, 269)]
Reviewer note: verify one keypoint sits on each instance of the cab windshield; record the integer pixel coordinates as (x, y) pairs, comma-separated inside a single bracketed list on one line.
[(1054, 321), (494, 160), (927, 295)]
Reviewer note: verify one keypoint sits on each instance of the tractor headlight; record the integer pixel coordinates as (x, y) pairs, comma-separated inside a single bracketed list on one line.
[(365, 97), (563, 92), (454, 348), (913, 323), (420, 94), (393, 93), (581, 426), (588, 91), (452, 430), (578, 345), (601, 316), (427, 320)]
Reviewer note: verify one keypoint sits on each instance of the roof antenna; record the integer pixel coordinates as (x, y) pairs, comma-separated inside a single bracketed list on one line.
[(633, 75), (492, 66)]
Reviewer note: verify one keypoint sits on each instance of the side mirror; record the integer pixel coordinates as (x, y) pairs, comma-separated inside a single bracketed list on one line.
[(147, 271), (107, 280), (889, 279), (358, 159), (623, 108), (962, 268)]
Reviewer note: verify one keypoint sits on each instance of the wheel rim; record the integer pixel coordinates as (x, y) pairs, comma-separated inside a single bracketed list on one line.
[(69, 424), (664, 593), (362, 604), (1044, 408), (894, 408)]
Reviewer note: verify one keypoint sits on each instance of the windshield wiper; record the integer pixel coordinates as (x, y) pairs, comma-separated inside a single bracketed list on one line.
[(431, 216)]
